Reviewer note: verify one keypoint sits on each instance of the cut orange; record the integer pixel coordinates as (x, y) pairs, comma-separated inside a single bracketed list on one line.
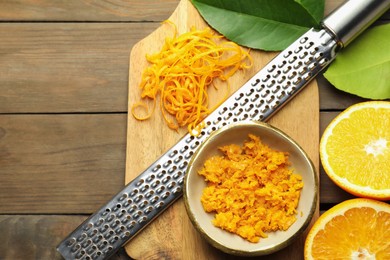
[(355, 150), (354, 229)]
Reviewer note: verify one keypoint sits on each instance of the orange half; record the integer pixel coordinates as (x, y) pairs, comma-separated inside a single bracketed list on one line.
[(354, 229), (355, 150)]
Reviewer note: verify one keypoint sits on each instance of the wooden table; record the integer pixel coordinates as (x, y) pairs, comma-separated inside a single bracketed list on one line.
[(63, 113)]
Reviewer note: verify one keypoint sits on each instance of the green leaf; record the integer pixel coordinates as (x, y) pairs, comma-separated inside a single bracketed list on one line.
[(315, 8), (270, 25), (363, 67)]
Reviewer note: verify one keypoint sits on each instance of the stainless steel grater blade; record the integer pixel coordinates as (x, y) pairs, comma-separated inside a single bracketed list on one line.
[(149, 194)]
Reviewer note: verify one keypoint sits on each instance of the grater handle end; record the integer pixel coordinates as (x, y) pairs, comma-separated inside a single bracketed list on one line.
[(353, 17)]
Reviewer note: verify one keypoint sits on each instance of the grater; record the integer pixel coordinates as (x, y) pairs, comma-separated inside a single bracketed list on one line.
[(155, 189)]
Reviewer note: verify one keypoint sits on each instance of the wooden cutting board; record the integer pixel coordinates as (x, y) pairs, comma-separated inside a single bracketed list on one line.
[(171, 235)]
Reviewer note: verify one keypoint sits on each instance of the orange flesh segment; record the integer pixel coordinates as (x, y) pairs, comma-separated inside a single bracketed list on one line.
[(359, 232)]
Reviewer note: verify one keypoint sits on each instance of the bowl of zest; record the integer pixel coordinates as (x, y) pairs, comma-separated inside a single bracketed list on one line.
[(250, 189)]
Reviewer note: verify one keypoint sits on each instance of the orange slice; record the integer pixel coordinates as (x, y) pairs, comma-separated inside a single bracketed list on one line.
[(355, 150), (354, 229)]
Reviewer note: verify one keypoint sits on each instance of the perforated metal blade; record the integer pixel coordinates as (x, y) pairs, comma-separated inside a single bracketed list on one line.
[(161, 184), (149, 194)]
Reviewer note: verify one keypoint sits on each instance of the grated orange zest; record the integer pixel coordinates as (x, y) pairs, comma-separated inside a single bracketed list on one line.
[(251, 189), (180, 74)]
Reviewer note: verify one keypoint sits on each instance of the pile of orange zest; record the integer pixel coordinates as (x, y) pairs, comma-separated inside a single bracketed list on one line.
[(251, 189), (181, 73)]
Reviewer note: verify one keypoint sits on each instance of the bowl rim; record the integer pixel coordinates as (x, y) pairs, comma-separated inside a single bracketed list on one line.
[(276, 247)]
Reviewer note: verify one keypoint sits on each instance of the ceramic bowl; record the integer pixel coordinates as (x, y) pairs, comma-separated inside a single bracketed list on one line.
[(194, 184)]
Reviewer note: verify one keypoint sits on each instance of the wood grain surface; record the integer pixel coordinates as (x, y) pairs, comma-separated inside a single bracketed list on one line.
[(98, 10), (86, 10), (172, 234), (39, 150)]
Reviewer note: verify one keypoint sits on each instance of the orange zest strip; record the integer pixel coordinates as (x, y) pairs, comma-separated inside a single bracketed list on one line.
[(181, 73)]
